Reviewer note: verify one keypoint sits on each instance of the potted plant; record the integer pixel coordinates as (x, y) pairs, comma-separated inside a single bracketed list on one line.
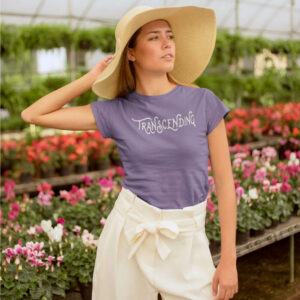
[(64, 164), (260, 219), (272, 208), (47, 163), (80, 261), (114, 156), (244, 220), (25, 164), (79, 158), (213, 234)]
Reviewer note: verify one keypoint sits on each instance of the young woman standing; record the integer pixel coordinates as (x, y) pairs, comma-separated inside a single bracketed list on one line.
[(165, 127)]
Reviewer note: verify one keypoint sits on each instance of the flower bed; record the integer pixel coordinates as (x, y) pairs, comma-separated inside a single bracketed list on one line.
[(64, 154), (248, 125), (57, 155), (49, 242)]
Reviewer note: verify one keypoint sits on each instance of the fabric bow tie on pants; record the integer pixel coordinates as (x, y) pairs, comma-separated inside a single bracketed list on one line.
[(137, 233)]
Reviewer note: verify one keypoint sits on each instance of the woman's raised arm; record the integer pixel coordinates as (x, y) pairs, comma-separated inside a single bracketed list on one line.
[(48, 111)]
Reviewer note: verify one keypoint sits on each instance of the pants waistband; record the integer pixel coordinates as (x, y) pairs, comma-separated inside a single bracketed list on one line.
[(185, 217)]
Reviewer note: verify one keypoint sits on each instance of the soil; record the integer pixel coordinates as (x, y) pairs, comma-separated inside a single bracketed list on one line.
[(265, 274)]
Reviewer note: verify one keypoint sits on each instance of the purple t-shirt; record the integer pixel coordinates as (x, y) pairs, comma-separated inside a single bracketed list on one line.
[(162, 142)]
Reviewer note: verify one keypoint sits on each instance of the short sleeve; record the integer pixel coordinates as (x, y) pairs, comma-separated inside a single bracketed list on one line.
[(215, 110), (104, 112)]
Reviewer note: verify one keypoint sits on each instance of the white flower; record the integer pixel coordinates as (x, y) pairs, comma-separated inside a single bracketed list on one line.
[(88, 239), (269, 167), (56, 233), (31, 230), (46, 225), (293, 159), (253, 193)]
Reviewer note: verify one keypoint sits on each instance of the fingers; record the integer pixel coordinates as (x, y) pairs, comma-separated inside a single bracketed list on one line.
[(109, 58), (225, 293), (215, 285)]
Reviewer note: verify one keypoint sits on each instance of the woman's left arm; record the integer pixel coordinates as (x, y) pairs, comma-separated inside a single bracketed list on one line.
[(226, 272)]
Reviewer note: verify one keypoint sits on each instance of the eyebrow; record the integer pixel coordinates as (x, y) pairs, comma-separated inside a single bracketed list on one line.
[(156, 31)]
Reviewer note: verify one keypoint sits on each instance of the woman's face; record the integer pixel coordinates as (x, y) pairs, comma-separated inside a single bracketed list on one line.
[(152, 46)]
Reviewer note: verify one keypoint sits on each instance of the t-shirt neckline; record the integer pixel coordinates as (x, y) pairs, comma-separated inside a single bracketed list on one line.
[(138, 96)]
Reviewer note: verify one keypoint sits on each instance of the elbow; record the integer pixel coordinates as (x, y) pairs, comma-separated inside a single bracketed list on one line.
[(26, 117)]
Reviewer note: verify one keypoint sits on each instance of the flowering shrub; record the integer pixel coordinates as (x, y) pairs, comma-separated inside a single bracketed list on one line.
[(267, 189), (54, 257), (52, 152), (60, 232)]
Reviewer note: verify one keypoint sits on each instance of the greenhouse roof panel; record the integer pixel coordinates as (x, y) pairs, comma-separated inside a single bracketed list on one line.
[(272, 19)]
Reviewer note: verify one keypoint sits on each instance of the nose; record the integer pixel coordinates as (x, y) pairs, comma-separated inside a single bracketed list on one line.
[(166, 42)]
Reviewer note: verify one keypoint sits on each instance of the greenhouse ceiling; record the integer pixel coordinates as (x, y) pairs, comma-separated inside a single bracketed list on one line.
[(272, 19)]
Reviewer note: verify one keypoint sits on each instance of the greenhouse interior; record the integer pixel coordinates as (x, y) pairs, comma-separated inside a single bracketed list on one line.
[(150, 168)]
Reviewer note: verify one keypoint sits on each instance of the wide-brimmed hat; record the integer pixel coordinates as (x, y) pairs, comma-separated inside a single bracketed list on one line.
[(194, 28)]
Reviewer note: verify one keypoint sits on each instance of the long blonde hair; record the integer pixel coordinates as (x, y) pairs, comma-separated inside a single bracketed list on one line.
[(126, 80)]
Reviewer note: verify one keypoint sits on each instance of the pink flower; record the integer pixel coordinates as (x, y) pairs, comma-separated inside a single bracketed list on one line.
[(9, 186), (87, 180), (14, 206), (102, 221), (74, 196), (12, 215), (76, 228), (44, 199), (17, 227), (106, 185), (61, 221), (286, 187), (46, 188), (38, 228)]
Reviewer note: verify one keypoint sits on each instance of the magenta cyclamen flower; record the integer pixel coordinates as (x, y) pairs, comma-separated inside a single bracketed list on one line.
[(61, 221), (102, 221), (32, 253), (75, 195), (87, 180), (76, 228), (44, 199), (9, 186), (106, 185)]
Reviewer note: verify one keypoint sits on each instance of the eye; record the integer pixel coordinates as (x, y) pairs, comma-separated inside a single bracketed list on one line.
[(170, 36)]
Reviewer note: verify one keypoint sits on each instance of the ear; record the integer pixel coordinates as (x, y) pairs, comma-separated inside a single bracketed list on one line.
[(130, 54)]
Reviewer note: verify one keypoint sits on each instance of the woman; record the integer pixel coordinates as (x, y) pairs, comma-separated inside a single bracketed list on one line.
[(165, 128)]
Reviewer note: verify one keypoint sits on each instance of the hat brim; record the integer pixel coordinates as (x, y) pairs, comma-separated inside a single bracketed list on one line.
[(194, 28)]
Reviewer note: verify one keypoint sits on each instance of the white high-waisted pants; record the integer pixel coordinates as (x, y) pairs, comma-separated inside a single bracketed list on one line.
[(144, 250)]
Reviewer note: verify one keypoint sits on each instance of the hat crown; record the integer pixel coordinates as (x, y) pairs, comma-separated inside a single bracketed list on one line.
[(127, 17)]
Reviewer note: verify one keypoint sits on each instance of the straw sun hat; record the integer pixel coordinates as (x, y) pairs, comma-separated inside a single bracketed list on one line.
[(194, 28)]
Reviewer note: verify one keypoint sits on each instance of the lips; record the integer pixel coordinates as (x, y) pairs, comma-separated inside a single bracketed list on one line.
[(168, 54)]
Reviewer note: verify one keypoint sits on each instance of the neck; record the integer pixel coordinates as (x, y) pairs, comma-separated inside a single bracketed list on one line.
[(154, 85)]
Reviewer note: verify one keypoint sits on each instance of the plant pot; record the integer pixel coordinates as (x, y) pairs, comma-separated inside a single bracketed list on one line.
[(66, 170), (47, 173), (285, 219), (116, 161), (214, 247), (274, 223), (80, 169), (258, 232), (102, 164), (86, 290), (25, 177), (242, 237), (294, 212), (91, 164), (70, 295)]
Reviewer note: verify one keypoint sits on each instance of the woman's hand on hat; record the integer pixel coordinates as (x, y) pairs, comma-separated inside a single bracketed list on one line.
[(100, 66)]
